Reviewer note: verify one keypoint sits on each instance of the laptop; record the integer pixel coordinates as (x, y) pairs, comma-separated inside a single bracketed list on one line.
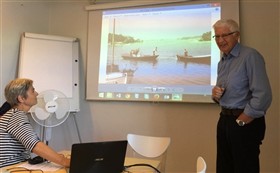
[(98, 157)]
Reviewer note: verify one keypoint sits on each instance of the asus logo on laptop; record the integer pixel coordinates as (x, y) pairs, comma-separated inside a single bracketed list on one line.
[(98, 159)]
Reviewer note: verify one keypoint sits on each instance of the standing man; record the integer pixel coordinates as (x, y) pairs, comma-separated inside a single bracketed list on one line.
[(244, 94)]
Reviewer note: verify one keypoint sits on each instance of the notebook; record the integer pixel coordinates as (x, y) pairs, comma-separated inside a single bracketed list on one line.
[(98, 157)]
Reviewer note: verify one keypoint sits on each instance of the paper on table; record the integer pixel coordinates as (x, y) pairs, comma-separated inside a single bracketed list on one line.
[(46, 166)]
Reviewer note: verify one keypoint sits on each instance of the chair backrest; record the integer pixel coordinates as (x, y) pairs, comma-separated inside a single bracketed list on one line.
[(150, 147), (200, 165)]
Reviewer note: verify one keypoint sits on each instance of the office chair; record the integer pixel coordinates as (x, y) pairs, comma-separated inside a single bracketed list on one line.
[(200, 165), (5, 108), (150, 147)]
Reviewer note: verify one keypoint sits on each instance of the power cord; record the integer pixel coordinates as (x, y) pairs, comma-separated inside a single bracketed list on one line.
[(140, 164)]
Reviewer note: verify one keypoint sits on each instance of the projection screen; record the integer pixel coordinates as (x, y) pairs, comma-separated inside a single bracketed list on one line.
[(158, 51)]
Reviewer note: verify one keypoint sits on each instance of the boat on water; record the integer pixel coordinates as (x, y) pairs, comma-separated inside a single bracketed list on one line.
[(116, 78), (204, 59), (140, 57)]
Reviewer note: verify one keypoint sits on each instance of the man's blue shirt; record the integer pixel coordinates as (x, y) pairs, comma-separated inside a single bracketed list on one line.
[(243, 75)]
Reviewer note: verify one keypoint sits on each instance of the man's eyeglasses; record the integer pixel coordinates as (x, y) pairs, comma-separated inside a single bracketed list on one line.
[(223, 35), (23, 170)]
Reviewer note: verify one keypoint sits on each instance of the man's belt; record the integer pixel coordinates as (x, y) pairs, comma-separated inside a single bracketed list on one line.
[(234, 112)]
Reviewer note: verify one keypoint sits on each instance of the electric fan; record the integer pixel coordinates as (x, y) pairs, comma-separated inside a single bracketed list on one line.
[(51, 110)]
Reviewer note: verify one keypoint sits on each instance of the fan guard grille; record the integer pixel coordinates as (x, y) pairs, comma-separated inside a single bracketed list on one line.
[(52, 108)]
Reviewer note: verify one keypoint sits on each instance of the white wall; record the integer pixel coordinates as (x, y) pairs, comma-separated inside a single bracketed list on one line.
[(192, 127), (279, 84), (16, 18)]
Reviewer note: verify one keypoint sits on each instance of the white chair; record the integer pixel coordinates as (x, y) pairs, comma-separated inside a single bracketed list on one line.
[(150, 147), (200, 165)]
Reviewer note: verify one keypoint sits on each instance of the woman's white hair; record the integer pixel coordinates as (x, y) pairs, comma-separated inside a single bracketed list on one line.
[(15, 88)]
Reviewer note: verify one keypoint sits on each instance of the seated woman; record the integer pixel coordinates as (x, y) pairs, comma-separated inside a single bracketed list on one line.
[(17, 137)]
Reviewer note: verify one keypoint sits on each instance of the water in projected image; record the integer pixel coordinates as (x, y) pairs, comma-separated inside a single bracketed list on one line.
[(166, 69)]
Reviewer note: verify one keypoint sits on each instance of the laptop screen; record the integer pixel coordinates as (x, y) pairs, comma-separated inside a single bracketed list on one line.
[(98, 157)]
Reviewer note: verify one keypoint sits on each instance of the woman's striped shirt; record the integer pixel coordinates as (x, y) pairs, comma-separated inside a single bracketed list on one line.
[(17, 137)]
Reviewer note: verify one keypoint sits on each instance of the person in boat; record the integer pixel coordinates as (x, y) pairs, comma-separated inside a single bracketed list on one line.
[(134, 52), (155, 51), (186, 53)]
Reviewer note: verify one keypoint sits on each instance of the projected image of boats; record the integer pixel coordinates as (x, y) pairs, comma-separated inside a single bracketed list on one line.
[(167, 67), (203, 59), (160, 60), (140, 57), (119, 75), (116, 78), (137, 55)]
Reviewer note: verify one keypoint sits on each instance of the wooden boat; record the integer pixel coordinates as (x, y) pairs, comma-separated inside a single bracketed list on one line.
[(116, 78), (204, 59), (140, 58)]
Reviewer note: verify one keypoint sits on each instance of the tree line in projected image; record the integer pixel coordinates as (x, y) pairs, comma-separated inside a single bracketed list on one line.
[(119, 38)]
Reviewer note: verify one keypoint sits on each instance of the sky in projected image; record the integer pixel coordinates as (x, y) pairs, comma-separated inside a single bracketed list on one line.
[(164, 26), (150, 44)]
